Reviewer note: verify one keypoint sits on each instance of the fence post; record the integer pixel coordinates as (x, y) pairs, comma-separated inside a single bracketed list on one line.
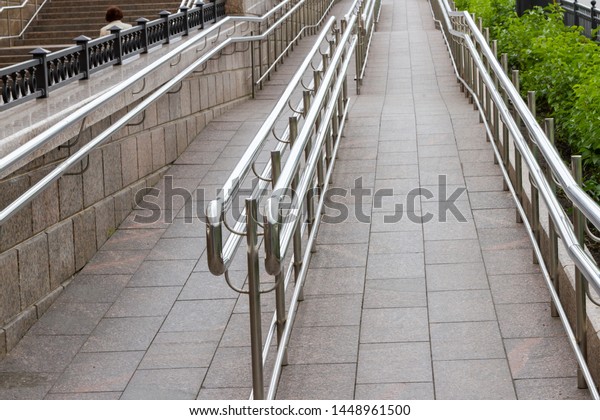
[(143, 22), (254, 298), (41, 70), (580, 295), (593, 18), (84, 55), (200, 4), (575, 13), (118, 45), (167, 31), (186, 22)]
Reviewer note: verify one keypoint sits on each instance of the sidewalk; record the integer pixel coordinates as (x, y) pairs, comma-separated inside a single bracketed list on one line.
[(441, 309)]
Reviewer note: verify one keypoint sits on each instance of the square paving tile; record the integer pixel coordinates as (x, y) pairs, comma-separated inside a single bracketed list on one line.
[(94, 289), (115, 262), (387, 266), (123, 334), (439, 231), (322, 345), (99, 372), (473, 380), (456, 276), (204, 316), (350, 255), (330, 310), (526, 288), (398, 391), (343, 233), (504, 239), (178, 249), (540, 357), (42, 353), (550, 389), (395, 293), (452, 252), (522, 320), (169, 353), (396, 242), (510, 261), (492, 200), (132, 239), (230, 368), (394, 362), (162, 273), (204, 285), (333, 281), (70, 319), (25, 385), (494, 218), (466, 340), (461, 306), (388, 325), (317, 382), (144, 301), (164, 384), (186, 227)]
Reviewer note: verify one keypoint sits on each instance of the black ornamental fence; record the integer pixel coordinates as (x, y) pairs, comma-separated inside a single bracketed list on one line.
[(48, 71)]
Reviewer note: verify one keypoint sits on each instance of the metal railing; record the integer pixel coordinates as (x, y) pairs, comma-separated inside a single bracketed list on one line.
[(313, 133), (15, 158), (577, 14), (24, 22), (369, 17), (511, 126), (48, 71)]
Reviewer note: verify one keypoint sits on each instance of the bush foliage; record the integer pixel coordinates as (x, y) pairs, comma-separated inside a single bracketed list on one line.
[(561, 65)]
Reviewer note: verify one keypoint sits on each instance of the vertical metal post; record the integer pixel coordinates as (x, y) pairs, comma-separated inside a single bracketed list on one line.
[(252, 65), (533, 108), (357, 55), (164, 15), (143, 22), (254, 298), (41, 71), (118, 45), (298, 230), (505, 134), (84, 55), (279, 278), (535, 209), (580, 298), (553, 237), (518, 171), (186, 20)]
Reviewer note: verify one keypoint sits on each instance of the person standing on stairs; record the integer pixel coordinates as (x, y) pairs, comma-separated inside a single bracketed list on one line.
[(113, 17)]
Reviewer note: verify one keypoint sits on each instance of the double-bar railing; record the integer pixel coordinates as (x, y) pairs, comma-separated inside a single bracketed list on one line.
[(527, 156), (296, 191), (48, 71)]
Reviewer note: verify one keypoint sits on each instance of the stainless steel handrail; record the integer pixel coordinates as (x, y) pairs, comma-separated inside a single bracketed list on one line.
[(33, 145), (21, 7), (309, 164), (560, 221), (219, 255)]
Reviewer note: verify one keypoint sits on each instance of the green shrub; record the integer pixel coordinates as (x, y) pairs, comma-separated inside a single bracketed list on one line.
[(562, 66)]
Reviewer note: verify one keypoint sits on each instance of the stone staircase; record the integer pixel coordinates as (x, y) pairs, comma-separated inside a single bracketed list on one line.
[(62, 20)]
